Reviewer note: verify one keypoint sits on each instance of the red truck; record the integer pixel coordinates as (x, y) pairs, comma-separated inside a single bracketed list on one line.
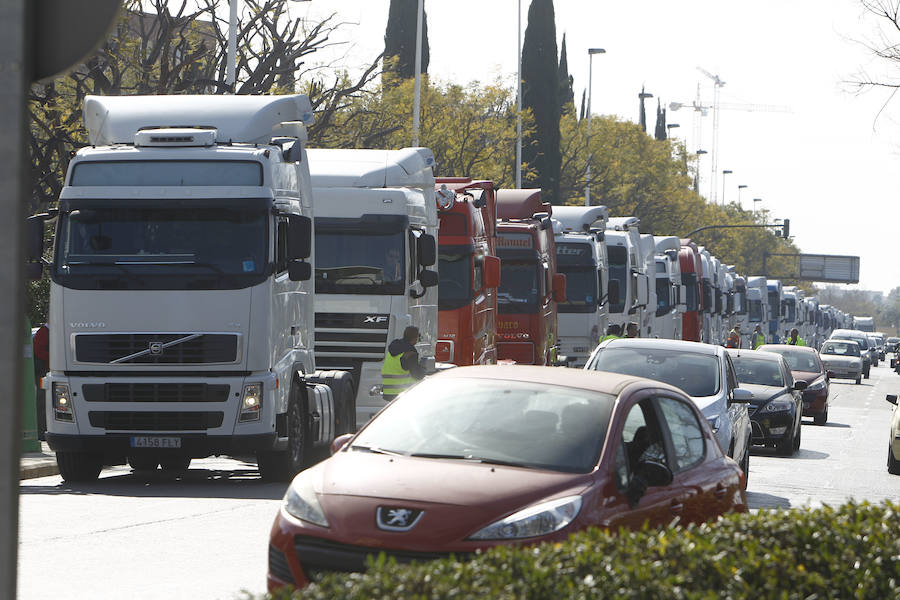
[(530, 287), (691, 278), (469, 271)]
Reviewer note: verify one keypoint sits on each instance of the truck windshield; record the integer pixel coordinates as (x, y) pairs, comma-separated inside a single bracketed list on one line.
[(518, 287), (790, 311), (662, 296), (755, 311), (690, 286), (359, 262), (618, 270), (167, 173), (455, 283), (161, 248), (774, 305), (581, 290)]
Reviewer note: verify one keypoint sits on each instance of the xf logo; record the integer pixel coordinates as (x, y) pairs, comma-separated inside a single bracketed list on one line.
[(375, 319)]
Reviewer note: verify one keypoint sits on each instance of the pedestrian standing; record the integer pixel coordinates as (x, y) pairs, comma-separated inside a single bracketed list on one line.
[(613, 332), (631, 330), (757, 338), (401, 367), (734, 337)]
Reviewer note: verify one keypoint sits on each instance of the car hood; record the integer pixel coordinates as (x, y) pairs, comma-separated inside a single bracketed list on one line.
[(762, 393), (456, 498)]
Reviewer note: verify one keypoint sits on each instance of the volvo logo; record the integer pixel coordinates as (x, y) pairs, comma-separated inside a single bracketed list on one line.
[(375, 319), (86, 324), (397, 518), (156, 348)]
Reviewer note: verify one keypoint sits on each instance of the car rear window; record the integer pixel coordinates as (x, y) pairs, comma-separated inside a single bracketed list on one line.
[(695, 374), (837, 348), (758, 371)]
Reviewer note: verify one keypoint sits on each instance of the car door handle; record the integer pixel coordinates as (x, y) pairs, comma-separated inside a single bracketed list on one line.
[(676, 507), (721, 492)]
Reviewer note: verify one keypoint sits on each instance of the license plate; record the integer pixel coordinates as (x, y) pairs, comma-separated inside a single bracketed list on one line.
[(155, 442)]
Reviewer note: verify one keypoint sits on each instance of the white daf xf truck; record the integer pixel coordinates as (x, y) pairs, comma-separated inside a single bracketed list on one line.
[(181, 299), (376, 271)]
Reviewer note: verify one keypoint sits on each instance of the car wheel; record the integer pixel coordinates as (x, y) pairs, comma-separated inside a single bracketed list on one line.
[(866, 374), (858, 380), (893, 464), (786, 446), (823, 418), (745, 466), (79, 466), (797, 437), (175, 463), (143, 462)]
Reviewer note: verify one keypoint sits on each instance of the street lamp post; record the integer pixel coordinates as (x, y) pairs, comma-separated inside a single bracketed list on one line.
[(670, 127), (417, 85), (587, 171), (699, 153), (724, 173), (519, 100), (231, 49), (740, 187), (755, 200)]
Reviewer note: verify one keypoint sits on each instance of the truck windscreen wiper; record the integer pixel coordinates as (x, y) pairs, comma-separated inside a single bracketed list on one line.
[(122, 268), (206, 265), (376, 450)]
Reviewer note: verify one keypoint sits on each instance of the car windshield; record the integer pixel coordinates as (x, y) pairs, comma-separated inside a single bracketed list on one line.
[(696, 374), (840, 349), (757, 371), (492, 420), (797, 361)]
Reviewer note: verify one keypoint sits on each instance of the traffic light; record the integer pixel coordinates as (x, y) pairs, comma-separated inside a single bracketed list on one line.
[(786, 229)]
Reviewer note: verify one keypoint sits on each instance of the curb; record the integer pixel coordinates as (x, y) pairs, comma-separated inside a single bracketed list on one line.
[(43, 470)]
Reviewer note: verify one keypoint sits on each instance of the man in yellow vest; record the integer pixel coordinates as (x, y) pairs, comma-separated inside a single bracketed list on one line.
[(613, 332), (734, 338), (795, 339), (401, 367), (757, 338)]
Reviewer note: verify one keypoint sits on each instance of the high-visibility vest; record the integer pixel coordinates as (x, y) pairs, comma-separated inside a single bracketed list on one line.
[(734, 340), (394, 378), (758, 340), (608, 336), (799, 342)]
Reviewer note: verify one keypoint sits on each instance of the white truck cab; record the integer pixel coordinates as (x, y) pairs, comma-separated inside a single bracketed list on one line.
[(628, 269), (376, 242), (670, 294)]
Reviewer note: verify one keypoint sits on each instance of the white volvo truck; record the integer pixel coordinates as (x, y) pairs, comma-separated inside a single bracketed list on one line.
[(181, 292), (581, 257), (376, 231)]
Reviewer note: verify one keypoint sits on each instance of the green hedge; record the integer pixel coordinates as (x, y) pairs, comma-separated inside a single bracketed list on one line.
[(847, 552)]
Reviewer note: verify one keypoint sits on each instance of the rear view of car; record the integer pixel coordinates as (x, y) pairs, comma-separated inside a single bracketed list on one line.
[(806, 366), (890, 345), (842, 358), (866, 350)]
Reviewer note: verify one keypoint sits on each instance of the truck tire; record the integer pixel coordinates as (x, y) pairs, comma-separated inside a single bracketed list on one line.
[(175, 463), (344, 393), (143, 462), (79, 466), (283, 465)]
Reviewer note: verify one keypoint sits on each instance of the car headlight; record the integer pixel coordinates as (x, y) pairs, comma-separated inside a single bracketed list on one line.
[(855, 362), (714, 423), (819, 384), (251, 401), (533, 521), (301, 501), (778, 405)]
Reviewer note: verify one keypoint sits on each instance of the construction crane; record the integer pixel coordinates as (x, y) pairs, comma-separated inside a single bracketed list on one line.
[(703, 110)]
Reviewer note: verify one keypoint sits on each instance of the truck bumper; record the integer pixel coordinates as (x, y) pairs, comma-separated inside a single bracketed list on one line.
[(193, 445)]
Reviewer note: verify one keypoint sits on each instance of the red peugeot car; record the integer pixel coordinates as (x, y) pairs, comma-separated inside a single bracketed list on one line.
[(479, 456), (806, 366)]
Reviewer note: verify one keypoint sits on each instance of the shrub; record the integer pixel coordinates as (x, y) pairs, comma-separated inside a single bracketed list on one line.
[(847, 552)]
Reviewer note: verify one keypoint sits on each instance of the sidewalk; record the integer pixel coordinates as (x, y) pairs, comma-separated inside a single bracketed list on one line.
[(38, 464)]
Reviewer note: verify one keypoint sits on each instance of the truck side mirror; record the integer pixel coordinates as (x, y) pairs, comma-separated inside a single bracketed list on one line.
[(299, 238), (559, 288), (299, 270), (491, 272), (426, 249), (428, 278), (643, 292), (34, 239)]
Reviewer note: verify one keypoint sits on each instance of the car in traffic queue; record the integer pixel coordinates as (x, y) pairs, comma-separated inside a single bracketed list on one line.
[(842, 359), (475, 457), (702, 371), (893, 455), (891, 344), (878, 346), (806, 365), (777, 405), (866, 351)]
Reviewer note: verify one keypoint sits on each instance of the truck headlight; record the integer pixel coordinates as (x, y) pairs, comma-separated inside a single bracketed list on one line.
[(251, 401), (62, 403), (301, 501), (533, 521)]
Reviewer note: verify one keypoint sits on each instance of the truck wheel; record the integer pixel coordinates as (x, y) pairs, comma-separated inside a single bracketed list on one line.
[(344, 393), (143, 462), (79, 466), (283, 465), (175, 463)]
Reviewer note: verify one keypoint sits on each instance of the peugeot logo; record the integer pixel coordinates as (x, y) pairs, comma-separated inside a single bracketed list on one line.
[(156, 348), (397, 518)]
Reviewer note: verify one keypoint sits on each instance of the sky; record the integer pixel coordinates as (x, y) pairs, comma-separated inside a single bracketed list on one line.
[(825, 157)]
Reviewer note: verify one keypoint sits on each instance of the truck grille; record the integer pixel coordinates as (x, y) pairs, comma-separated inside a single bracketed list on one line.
[(154, 392), (156, 348), (345, 340), (155, 421)]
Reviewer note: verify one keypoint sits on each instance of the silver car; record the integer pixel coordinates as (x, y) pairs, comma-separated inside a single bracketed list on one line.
[(702, 371), (866, 351), (842, 359)]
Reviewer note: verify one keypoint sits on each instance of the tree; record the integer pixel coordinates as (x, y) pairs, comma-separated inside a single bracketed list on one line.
[(661, 133), (400, 39), (540, 85), (566, 94)]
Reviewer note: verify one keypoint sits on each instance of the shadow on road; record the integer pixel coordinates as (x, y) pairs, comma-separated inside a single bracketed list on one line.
[(757, 500), (803, 453), (194, 483)]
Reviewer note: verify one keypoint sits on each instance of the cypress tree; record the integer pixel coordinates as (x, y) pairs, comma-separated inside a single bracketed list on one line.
[(400, 38), (661, 133), (566, 94), (540, 93)]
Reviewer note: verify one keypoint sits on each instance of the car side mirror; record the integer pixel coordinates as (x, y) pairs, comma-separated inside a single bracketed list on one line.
[(801, 385), (299, 270), (299, 238), (892, 398), (491, 272), (340, 441), (647, 473), (559, 288), (829, 374), (741, 396)]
